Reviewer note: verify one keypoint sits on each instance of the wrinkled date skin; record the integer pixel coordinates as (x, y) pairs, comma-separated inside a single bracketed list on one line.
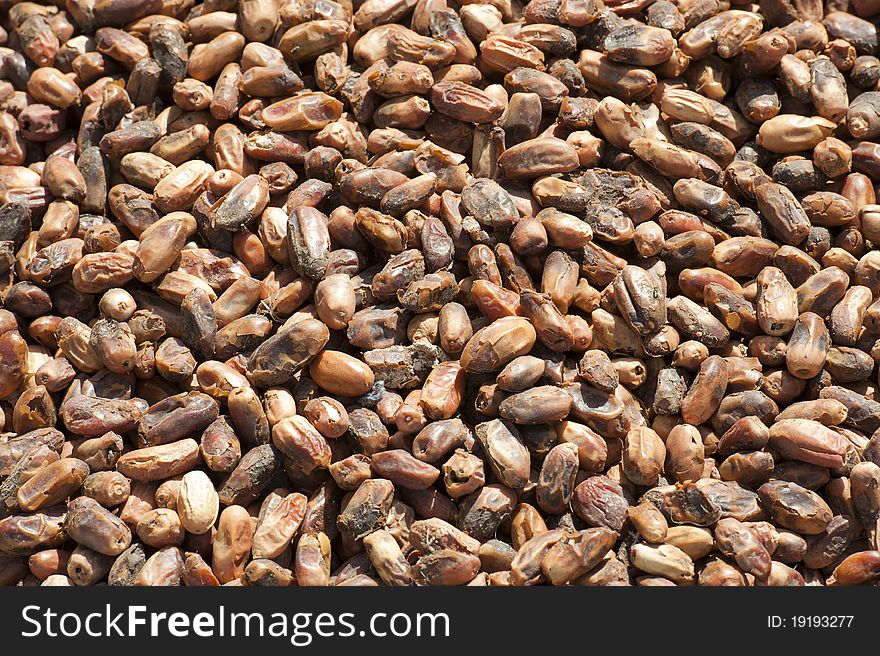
[(94, 416), (428, 293)]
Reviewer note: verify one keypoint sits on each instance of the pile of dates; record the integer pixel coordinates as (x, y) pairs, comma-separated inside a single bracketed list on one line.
[(439, 292)]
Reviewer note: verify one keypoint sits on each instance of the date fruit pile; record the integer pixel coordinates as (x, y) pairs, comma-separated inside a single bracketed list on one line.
[(439, 292)]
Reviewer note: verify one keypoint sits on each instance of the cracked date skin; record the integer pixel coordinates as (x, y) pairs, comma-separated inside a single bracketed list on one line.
[(367, 510), (281, 356), (250, 477), (599, 501)]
